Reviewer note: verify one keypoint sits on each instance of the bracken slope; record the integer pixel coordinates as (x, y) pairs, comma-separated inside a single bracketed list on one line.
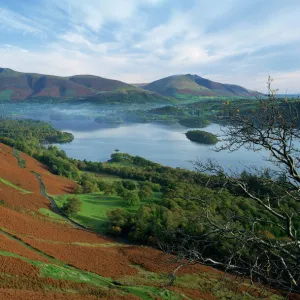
[(46, 258)]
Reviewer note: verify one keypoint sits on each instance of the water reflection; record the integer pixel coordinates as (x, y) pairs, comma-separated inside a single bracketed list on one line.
[(160, 143)]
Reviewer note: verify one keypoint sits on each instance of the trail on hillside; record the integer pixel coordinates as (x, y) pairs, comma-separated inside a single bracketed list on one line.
[(54, 206), (77, 225)]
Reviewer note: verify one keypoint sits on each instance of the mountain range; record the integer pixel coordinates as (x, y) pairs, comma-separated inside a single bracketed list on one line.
[(19, 86), (183, 86)]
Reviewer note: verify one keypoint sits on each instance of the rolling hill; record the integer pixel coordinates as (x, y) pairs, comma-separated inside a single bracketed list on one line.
[(193, 86), (45, 256), (17, 86)]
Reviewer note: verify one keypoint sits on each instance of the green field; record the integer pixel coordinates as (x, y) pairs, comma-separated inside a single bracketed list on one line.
[(95, 207), (52, 215), (14, 186), (108, 177)]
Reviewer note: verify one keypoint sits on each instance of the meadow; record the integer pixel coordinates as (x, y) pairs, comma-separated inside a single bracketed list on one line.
[(95, 206)]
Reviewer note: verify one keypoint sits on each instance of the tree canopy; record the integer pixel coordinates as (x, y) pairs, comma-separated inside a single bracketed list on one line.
[(202, 137)]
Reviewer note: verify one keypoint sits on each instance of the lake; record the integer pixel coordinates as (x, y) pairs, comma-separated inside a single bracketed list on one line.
[(165, 144)]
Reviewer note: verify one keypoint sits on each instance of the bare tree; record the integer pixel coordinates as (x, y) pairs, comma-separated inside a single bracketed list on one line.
[(274, 128)]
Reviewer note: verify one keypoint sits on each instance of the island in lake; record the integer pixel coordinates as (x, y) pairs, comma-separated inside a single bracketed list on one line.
[(202, 137)]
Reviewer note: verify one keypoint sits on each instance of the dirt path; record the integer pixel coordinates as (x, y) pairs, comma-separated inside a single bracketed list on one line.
[(56, 209), (54, 206)]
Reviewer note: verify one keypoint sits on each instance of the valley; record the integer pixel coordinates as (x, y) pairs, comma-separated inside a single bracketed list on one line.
[(149, 150), (44, 256), (104, 195), (107, 249)]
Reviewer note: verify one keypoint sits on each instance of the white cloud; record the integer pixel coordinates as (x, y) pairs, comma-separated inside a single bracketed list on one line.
[(75, 38), (66, 62), (8, 47), (287, 81), (11, 20), (61, 61), (189, 28), (94, 13), (204, 39)]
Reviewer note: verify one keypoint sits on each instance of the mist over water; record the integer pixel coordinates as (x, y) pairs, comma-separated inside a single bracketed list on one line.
[(165, 144)]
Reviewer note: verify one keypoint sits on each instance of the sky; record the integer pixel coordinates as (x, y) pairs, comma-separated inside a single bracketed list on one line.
[(138, 41)]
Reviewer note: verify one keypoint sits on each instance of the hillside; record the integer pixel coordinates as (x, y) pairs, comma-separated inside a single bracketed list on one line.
[(191, 86), (45, 256), (17, 86)]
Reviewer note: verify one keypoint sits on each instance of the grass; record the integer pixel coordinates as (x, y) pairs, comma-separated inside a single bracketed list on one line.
[(124, 164), (150, 293), (217, 285), (62, 271), (49, 213), (145, 285), (144, 277), (105, 177), (57, 269), (140, 287), (69, 273), (21, 162), (99, 245), (95, 207), (14, 186), (113, 178)]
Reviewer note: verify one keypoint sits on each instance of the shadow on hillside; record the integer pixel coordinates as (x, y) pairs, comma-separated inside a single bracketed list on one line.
[(106, 202), (94, 196), (93, 222), (68, 189)]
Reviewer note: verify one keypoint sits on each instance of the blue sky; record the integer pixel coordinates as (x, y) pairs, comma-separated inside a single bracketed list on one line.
[(230, 41)]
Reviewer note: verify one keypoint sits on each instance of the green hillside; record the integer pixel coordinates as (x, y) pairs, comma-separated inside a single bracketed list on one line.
[(17, 86), (127, 96), (192, 86)]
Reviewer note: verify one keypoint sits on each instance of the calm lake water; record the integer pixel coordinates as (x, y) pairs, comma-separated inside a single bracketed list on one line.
[(164, 144)]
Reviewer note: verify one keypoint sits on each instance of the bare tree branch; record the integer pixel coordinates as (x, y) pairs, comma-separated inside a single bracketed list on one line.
[(274, 127)]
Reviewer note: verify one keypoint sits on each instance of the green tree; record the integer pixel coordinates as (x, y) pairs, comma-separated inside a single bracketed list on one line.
[(266, 247), (129, 185), (145, 192), (131, 198), (109, 190), (118, 217), (120, 190), (202, 137), (71, 207), (89, 187)]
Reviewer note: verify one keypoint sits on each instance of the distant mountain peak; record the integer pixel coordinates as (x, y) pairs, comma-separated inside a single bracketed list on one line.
[(20, 86), (187, 86), (2, 70)]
